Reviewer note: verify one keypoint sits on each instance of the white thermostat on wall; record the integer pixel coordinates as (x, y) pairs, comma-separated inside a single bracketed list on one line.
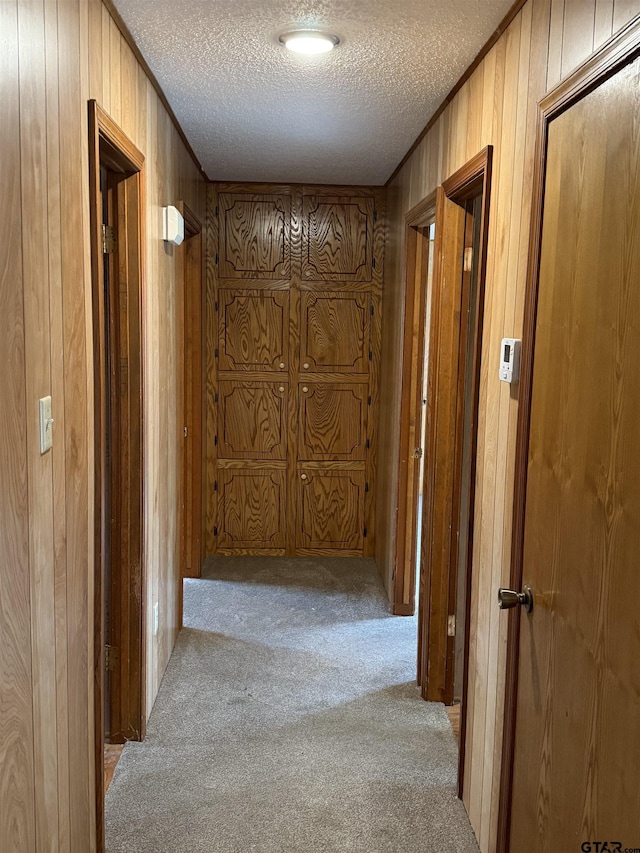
[(510, 360)]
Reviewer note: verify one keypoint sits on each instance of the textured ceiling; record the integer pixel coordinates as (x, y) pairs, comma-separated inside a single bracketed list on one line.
[(253, 111)]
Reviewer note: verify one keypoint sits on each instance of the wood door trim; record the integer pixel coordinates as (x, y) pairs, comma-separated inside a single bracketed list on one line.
[(461, 186), (413, 348), (619, 51), (108, 142)]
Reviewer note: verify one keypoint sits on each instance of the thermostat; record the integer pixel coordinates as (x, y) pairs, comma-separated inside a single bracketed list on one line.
[(510, 360)]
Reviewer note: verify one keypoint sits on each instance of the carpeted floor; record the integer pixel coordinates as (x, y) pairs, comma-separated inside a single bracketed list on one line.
[(288, 721)]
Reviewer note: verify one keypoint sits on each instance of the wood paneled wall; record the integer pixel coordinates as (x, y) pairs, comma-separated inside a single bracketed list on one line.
[(54, 57), (495, 106)]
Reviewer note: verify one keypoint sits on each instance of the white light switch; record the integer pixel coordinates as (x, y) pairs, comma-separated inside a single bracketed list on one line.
[(46, 425)]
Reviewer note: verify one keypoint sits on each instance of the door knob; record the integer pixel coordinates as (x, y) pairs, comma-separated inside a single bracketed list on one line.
[(508, 598)]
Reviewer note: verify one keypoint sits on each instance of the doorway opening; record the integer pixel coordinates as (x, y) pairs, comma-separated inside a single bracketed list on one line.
[(116, 196), (190, 304), (420, 254), (450, 440)]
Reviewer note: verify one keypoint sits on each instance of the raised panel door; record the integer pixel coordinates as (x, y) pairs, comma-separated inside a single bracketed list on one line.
[(332, 421), (254, 329), (334, 331), (253, 420), (254, 236), (330, 510), (337, 238), (251, 509)]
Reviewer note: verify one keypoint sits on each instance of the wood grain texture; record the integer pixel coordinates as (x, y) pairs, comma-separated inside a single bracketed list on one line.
[(337, 238), (56, 56), (330, 510), (582, 491), (254, 327), (332, 421), (253, 420), (17, 793), (293, 361), (334, 331), (516, 73), (252, 510), (254, 236)]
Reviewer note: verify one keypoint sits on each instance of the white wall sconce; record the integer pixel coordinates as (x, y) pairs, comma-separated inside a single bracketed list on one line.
[(172, 225)]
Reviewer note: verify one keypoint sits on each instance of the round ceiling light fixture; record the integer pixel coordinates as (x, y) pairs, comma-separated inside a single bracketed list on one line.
[(309, 42)]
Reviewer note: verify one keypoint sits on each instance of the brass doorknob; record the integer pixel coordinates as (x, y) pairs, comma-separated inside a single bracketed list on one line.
[(508, 598)]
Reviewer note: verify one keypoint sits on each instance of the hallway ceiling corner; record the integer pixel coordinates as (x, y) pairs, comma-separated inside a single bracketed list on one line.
[(254, 111)]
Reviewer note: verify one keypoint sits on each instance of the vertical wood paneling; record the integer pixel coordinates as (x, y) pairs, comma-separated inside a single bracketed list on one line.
[(17, 808), (54, 56), (497, 106), (76, 419), (623, 12), (603, 22), (35, 269), (577, 34), (556, 28), (57, 393)]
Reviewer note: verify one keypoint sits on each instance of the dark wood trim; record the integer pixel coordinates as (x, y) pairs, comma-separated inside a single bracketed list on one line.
[(413, 351), (109, 145), (444, 443), (124, 31), (620, 50), (501, 29)]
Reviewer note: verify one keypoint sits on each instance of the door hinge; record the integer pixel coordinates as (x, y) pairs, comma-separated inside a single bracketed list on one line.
[(373, 263), (369, 400), (215, 441), (185, 432), (216, 353), (451, 625), (366, 487), (216, 257), (364, 533), (417, 453), (215, 531), (215, 486), (111, 657), (468, 259), (372, 309), (370, 355), (216, 209), (217, 306), (368, 444), (375, 215), (108, 240), (215, 398)]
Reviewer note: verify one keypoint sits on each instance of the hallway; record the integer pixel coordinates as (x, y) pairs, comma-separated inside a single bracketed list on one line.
[(288, 720)]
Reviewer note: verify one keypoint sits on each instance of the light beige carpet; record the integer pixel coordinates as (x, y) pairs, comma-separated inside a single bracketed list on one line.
[(289, 722)]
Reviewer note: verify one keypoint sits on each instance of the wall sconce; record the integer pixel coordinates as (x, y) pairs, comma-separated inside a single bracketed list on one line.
[(172, 225)]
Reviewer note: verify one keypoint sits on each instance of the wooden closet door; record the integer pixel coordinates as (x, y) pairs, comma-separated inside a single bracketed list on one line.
[(251, 394), (336, 357), (296, 295)]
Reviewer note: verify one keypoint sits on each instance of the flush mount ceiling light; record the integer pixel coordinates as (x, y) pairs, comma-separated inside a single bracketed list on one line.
[(309, 42)]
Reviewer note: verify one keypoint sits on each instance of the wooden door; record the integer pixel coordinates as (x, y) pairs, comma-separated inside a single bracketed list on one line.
[(577, 728), (293, 379)]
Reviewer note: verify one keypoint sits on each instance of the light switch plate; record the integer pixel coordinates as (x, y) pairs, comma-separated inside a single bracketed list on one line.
[(46, 425)]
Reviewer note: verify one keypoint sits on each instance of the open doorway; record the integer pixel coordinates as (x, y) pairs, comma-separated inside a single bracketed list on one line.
[(462, 218), (190, 301), (115, 173), (420, 254)]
